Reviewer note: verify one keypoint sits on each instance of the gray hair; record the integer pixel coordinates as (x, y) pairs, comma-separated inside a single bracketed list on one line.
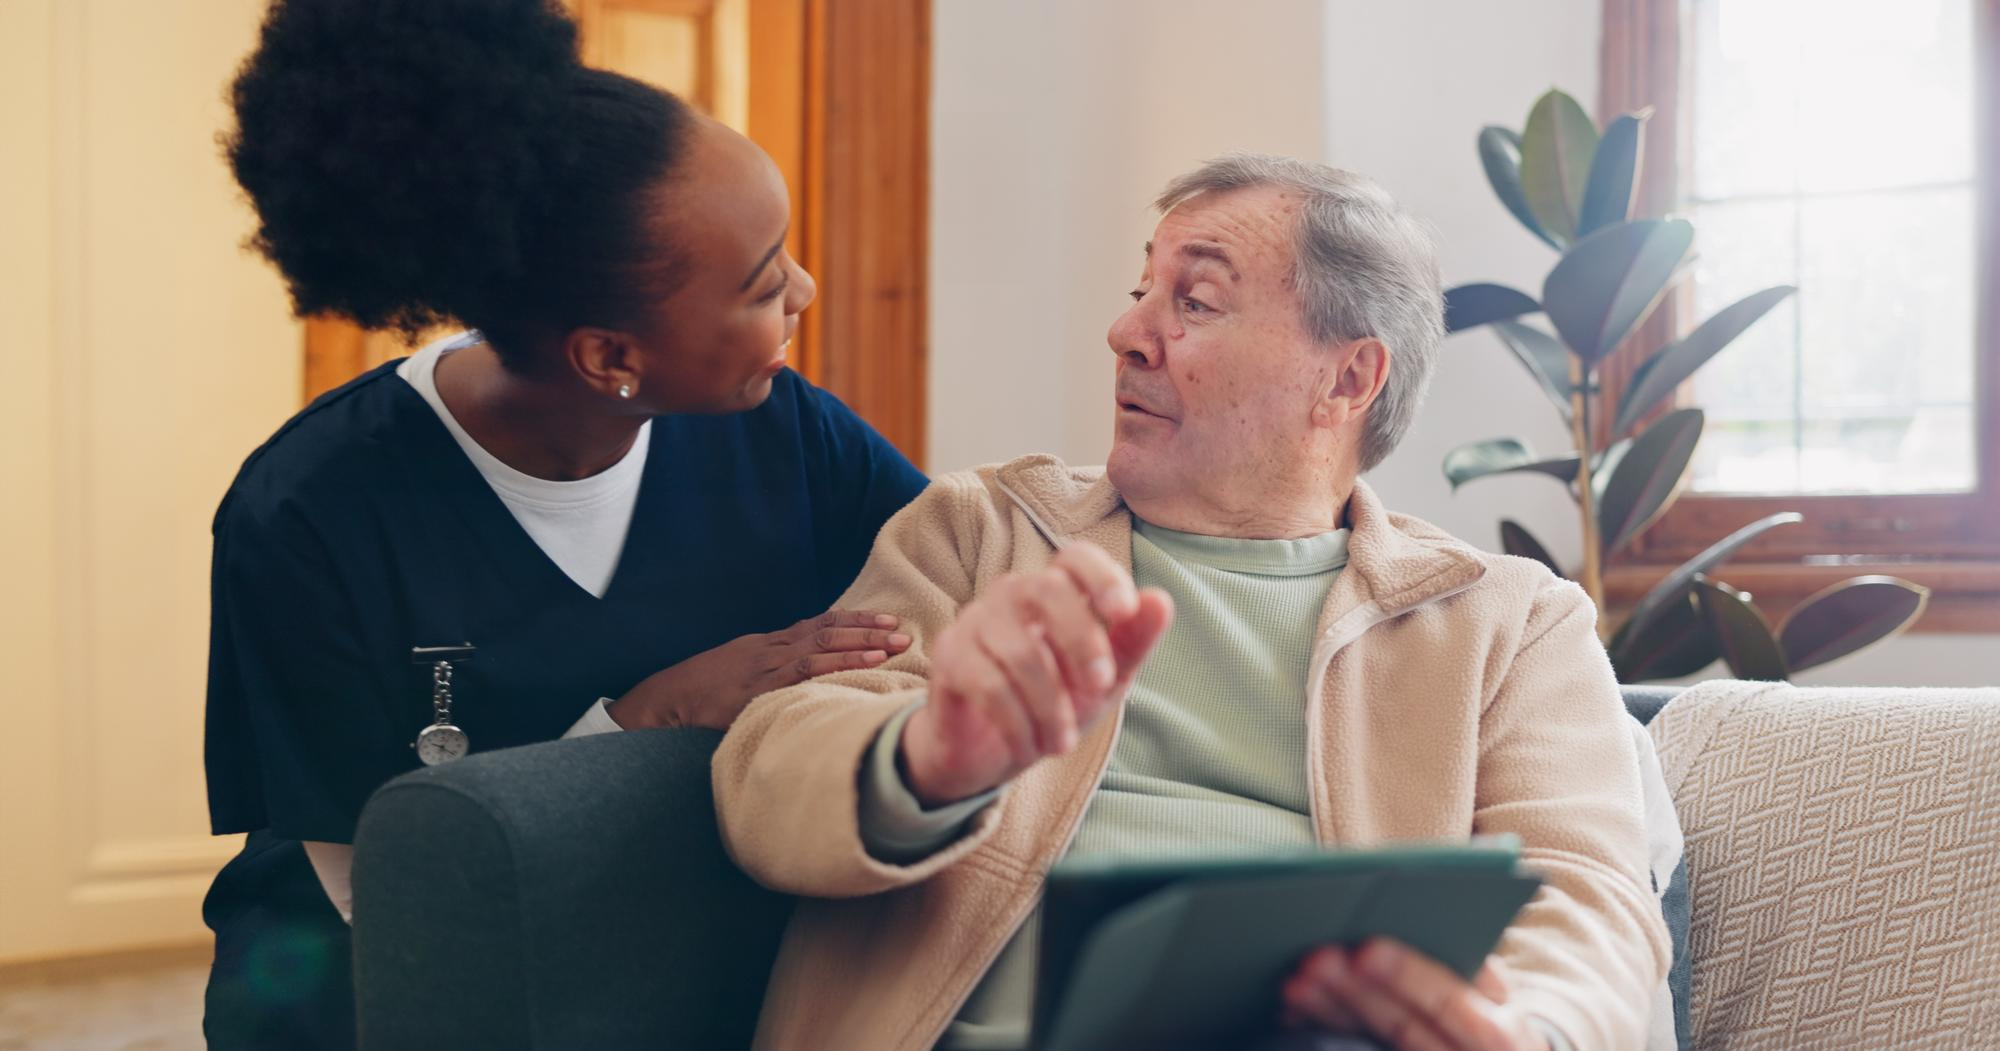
[(1365, 268)]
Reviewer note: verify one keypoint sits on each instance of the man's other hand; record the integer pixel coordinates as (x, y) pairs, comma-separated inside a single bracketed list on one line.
[(1028, 668), (1405, 999)]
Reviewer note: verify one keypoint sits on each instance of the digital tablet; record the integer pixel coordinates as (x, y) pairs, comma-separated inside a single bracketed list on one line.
[(1166, 953)]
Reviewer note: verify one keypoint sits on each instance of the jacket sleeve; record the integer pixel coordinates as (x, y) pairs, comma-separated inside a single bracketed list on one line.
[(787, 775), (1557, 768)]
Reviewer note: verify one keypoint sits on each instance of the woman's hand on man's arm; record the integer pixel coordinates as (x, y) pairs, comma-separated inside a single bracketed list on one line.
[(709, 689)]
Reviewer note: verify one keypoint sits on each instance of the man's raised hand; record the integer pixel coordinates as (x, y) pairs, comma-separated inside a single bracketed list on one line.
[(1028, 668)]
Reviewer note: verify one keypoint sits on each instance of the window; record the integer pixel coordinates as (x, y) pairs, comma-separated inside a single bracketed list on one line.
[(1852, 149), (1830, 147)]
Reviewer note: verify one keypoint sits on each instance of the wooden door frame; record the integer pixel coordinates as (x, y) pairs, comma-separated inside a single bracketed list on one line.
[(840, 98), (867, 209)]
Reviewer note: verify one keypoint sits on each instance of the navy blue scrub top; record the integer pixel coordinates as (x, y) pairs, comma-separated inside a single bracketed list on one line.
[(361, 530)]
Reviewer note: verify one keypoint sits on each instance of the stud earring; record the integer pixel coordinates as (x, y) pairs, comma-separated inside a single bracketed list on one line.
[(625, 390)]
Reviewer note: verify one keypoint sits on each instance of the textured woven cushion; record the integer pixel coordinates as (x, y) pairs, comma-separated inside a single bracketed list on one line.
[(1843, 851)]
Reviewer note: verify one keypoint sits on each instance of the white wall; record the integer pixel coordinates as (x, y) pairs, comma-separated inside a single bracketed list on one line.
[(1054, 123), (1405, 102)]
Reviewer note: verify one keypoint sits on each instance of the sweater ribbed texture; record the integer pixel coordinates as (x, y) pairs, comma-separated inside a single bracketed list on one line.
[(1212, 756)]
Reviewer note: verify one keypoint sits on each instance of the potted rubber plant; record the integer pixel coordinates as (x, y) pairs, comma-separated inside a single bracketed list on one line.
[(1571, 184)]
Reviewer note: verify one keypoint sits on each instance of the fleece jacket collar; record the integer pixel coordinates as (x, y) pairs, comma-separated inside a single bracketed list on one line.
[(1395, 563)]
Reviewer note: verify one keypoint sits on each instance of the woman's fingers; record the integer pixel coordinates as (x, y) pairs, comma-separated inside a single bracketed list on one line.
[(814, 665), (844, 618), (836, 640)]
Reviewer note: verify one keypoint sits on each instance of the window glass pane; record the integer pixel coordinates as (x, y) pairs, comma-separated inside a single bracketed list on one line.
[(1887, 335), (1831, 146), (1885, 93), (1744, 100), (1828, 95), (1749, 391)]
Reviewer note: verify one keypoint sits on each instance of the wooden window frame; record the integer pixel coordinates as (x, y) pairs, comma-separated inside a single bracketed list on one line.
[(857, 158), (1947, 542)]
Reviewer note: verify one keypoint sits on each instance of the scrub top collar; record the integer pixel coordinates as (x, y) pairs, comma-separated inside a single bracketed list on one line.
[(433, 460)]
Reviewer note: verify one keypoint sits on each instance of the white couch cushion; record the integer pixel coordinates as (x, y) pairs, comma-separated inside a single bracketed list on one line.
[(1843, 853)]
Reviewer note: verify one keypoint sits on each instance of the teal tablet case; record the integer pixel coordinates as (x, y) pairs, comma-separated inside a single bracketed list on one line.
[(1164, 954)]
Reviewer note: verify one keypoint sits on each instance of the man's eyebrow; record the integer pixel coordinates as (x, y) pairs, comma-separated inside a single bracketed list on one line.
[(1212, 251), (769, 255)]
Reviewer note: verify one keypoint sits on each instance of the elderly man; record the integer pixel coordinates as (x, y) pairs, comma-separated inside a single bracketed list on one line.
[(1222, 641)]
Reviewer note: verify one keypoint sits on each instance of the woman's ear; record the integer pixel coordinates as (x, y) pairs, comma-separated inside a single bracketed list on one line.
[(1360, 371), (608, 361)]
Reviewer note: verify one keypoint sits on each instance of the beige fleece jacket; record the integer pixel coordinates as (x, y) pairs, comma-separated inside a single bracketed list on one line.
[(1456, 693)]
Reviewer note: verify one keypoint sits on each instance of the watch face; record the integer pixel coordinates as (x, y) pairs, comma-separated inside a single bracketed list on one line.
[(441, 744)]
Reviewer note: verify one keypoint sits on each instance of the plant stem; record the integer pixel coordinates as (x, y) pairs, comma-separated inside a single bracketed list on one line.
[(1586, 491)]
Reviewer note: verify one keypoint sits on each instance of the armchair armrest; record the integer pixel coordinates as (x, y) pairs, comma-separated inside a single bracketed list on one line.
[(567, 894)]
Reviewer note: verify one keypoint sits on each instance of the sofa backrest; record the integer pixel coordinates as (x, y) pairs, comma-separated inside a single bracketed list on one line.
[(1843, 855)]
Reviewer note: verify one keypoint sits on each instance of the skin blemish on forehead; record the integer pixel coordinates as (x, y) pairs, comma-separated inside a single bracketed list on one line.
[(1214, 227)]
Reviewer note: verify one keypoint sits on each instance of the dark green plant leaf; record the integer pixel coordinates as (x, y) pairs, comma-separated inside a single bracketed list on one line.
[(1849, 616), (1501, 456), (1469, 306), (1556, 149), (1516, 540), (1744, 635), (1542, 356), (1614, 171), (1678, 643), (1500, 153), (1674, 586), (1656, 379), (1646, 477), (1606, 464), (1608, 282)]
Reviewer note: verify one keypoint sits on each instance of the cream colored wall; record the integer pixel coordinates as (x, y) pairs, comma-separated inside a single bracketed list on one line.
[(145, 354)]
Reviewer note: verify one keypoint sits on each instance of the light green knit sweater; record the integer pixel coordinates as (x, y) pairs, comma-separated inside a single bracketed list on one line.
[(1212, 755)]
